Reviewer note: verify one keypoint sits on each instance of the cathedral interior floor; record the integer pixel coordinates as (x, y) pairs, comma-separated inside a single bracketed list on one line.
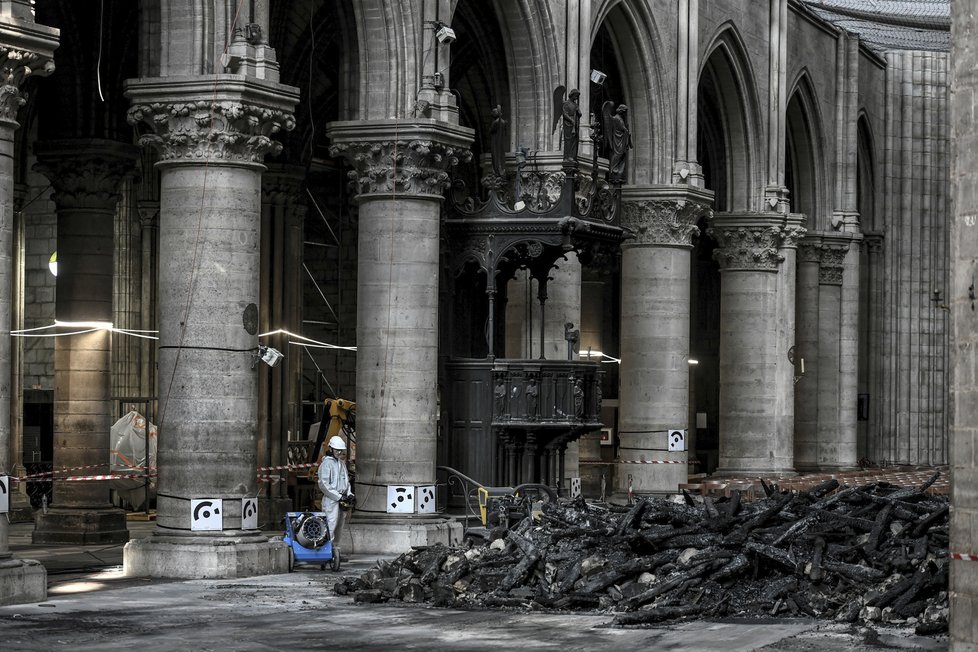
[(90, 606)]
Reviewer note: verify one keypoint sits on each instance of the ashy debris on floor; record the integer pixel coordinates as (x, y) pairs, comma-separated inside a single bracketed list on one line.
[(871, 553)]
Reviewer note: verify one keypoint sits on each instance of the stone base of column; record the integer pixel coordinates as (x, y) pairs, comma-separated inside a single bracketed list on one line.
[(80, 526), (22, 580), (271, 513), (365, 535), (836, 468), (20, 508), (650, 478), (722, 472), (204, 557)]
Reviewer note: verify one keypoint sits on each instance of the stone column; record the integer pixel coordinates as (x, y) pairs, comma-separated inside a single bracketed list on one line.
[(750, 260), (86, 176), (806, 348), (149, 222), (835, 450), (399, 170), (849, 353), (210, 202), (874, 245), (961, 298), (25, 48), (654, 372), (788, 366), (283, 209)]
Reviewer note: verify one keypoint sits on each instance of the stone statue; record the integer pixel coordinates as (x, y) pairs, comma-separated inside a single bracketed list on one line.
[(579, 398), (497, 142), (618, 140), (532, 394), (573, 338), (568, 113), (499, 396)]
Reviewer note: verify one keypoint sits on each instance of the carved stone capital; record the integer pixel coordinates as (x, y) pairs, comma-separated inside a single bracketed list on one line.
[(235, 132), (85, 173), (222, 118), (793, 231), (747, 243), (25, 50), (810, 248), (393, 157), (874, 243), (149, 214), (282, 184), (662, 221), (831, 263)]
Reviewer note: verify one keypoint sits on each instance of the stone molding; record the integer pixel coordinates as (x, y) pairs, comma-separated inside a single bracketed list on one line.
[(216, 118), (662, 222), (393, 157), (86, 173)]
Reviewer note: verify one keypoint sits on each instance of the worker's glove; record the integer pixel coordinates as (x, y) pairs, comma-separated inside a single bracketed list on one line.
[(348, 501)]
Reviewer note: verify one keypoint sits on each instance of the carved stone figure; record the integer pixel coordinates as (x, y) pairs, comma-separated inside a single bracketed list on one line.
[(499, 396), (573, 338), (579, 398), (618, 140), (532, 394), (568, 113), (497, 142)]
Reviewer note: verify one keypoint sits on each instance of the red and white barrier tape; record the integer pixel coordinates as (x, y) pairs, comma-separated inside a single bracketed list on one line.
[(640, 462), (961, 556), (286, 467)]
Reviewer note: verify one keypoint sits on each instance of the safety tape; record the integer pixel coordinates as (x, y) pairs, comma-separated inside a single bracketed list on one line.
[(640, 462), (287, 467), (961, 556)]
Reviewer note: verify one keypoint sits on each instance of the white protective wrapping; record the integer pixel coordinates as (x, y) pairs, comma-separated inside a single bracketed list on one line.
[(129, 454)]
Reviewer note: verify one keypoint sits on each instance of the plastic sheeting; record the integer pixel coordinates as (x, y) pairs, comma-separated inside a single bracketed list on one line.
[(134, 453)]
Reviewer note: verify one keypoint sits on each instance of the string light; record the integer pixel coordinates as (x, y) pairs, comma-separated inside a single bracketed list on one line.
[(312, 343)]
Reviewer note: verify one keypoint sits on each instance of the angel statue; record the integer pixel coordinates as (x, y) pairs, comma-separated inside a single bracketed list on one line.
[(569, 113), (618, 140)]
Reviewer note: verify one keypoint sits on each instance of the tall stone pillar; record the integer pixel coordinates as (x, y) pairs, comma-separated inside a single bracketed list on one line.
[(961, 298), (210, 215), (836, 447), (149, 233), (751, 361), (400, 174), (874, 275), (654, 372), (283, 212), (788, 365), (86, 176), (806, 349), (26, 48)]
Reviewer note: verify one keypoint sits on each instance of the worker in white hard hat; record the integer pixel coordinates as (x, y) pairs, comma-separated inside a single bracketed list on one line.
[(334, 482)]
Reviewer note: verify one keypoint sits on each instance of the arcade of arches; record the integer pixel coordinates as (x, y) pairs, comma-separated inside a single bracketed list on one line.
[(773, 281)]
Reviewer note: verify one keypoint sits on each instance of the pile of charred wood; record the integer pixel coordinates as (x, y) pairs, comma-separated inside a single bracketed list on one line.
[(875, 552)]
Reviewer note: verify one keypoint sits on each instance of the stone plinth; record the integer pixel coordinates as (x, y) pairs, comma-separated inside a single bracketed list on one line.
[(204, 557)]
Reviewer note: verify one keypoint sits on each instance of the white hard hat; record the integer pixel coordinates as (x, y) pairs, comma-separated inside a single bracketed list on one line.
[(336, 442)]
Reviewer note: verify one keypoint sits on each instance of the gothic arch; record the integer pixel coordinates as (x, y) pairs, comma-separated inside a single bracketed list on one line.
[(635, 38), (867, 187), (805, 171), (533, 65), (729, 122)]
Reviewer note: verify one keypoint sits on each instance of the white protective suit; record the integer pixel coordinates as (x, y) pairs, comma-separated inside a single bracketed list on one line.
[(334, 482)]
